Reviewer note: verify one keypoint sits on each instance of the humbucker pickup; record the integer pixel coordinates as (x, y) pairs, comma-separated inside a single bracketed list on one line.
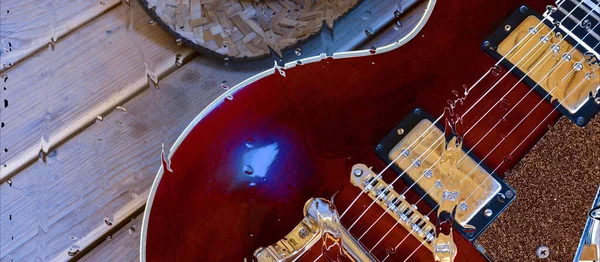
[(416, 150), (556, 61)]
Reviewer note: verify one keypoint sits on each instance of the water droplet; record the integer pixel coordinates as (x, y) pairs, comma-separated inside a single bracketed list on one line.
[(73, 237), (151, 21), (248, 170), (100, 118), (109, 237), (250, 142), (121, 108), (368, 32), (9, 182), (7, 65), (229, 97), (252, 184), (366, 15), (224, 86), (5, 77), (108, 220), (73, 250), (131, 230), (390, 250), (178, 41), (397, 13)]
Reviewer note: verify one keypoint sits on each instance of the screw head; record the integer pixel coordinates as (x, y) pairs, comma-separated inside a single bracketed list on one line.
[(488, 212), (358, 172), (580, 120), (379, 147), (509, 194), (463, 206), (523, 9), (303, 233), (542, 252)]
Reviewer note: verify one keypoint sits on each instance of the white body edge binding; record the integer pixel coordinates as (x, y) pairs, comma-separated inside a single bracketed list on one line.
[(231, 91)]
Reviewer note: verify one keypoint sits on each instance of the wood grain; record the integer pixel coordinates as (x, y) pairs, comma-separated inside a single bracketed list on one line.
[(185, 77), (56, 93), (28, 26), (93, 181)]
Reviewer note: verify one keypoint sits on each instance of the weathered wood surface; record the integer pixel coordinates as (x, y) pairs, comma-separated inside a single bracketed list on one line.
[(124, 237), (28, 26), (56, 93), (97, 176)]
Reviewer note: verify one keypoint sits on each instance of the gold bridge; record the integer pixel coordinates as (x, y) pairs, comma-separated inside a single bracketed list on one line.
[(571, 82), (395, 204)]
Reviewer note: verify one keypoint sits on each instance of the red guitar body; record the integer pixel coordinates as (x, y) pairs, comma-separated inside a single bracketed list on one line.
[(312, 125)]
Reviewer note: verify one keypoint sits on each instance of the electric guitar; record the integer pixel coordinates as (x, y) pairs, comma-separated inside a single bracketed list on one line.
[(388, 154)]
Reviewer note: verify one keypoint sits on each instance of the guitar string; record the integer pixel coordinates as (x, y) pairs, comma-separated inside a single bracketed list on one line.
[(414, 251), (466, 112), (468, 90), (464, 157), (468, 131), (545, 58), (482, 78)]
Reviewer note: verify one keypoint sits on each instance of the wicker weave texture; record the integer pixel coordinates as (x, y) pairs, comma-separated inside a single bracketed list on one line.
[(247, 28)]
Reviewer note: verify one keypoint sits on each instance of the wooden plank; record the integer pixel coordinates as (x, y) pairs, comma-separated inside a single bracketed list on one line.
[(56, 93), (98, 178), (28, 26), (122, 238), (124, 245)]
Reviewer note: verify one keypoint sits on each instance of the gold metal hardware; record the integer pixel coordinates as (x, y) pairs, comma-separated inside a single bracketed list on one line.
[(540, 63), (320, 217), (406, 214), (477, 186), (589, 253)]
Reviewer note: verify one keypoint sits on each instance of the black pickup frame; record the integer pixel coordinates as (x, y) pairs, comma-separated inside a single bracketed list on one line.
[(490, 45)]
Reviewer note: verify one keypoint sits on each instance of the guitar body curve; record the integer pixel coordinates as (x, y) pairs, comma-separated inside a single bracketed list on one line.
[(245, 167)]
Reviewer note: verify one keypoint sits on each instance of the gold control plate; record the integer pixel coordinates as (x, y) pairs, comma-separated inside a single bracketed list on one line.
[(395, 204), (417, 159), (565, 82)]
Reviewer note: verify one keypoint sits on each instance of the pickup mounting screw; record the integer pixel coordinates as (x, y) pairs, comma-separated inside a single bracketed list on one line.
[(542, 252), (523, 9), (580, 120), (379, 147), (509, 194), (507, 28), (358, 172), (303, 233), (400, 131), (488, 212)]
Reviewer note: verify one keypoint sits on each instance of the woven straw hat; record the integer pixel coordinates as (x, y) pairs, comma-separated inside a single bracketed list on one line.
[(245, 29)]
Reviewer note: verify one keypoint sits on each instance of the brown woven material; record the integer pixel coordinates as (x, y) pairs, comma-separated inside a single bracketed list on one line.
[(247, 28), (556, 184)]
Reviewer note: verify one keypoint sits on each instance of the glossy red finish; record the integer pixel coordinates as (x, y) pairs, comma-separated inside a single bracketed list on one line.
[(310, 127)]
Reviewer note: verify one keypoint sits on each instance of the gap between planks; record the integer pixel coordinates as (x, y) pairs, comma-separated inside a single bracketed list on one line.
[(22, 37), (184, 96), (92, 73)]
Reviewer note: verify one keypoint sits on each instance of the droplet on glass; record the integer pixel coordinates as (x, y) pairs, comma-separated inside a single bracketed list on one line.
[(248, 170), (250, 142), (121, 108)]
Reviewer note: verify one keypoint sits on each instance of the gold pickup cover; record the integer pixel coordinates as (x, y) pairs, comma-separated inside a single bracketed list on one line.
[(566, 82), (418, 162)]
